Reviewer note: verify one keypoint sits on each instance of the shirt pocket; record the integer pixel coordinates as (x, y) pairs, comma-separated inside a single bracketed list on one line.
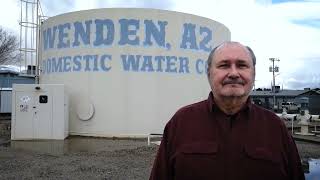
[(263, 163), (261, 154), (196, 160)]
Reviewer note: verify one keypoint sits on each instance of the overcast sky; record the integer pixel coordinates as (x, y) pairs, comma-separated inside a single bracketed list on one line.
[(288, 30)]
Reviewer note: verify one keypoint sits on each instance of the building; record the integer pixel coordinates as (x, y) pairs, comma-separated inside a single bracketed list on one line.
[(264, 97), (9, 76), (313, 98)]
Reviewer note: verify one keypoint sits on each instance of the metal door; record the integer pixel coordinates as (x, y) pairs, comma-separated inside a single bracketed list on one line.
[(43, 115)]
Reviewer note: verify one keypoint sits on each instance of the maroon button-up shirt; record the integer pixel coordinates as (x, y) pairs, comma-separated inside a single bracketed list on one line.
[(201, 142)]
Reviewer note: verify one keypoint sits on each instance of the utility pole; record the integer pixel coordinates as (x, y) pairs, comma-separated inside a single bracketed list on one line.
[(274, 69), (37, 73)]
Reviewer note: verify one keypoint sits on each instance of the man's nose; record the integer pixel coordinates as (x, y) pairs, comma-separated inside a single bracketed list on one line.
[(233, 72)]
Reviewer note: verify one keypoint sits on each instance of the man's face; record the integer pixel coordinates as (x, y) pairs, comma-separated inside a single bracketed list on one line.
[(232, 72)]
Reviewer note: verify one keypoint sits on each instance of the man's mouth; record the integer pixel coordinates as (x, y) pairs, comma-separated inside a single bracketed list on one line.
[(233, 82)]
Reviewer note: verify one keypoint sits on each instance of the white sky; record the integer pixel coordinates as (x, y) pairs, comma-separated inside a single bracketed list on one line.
[(289, 30)]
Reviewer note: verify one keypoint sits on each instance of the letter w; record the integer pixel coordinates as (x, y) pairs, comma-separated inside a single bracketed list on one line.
[(49, 37), (130, 62)]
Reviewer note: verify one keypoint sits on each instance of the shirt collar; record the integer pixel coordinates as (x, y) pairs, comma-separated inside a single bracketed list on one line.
[(212, 105)]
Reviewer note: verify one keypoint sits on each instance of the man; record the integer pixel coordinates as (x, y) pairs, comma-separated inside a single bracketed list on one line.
[(226, 136)]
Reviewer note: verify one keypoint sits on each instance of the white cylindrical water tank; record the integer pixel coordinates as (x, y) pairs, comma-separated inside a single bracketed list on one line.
[(127, 70)]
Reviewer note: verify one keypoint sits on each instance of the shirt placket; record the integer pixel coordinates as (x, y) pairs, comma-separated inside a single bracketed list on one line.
[(225, 130)]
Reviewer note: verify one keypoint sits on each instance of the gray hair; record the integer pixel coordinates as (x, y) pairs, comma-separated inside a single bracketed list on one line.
[(209, 62)]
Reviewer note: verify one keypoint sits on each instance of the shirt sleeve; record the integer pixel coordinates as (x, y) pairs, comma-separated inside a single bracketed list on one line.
[(161, 166)]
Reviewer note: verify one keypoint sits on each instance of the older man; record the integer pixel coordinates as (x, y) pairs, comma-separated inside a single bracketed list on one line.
[(226, 136)]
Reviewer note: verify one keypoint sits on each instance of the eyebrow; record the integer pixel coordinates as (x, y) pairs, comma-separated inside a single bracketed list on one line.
[(242, 61), (237, 60)]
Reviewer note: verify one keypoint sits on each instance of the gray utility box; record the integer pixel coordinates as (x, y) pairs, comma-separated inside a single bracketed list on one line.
[(39, 111)]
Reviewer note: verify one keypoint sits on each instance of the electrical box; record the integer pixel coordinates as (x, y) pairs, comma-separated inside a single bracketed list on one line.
[(39, 111)]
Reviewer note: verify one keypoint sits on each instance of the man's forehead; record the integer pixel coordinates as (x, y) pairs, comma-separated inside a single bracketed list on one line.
[(232, 50), (232, 47)]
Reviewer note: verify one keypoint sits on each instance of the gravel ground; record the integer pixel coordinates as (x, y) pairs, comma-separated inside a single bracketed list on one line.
[(308, 150), (120, 159), (89, 158)]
